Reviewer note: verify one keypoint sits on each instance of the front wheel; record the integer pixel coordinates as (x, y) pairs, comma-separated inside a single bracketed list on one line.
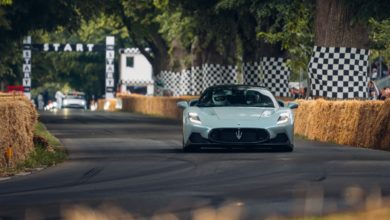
[(188, 148), (288, 148)]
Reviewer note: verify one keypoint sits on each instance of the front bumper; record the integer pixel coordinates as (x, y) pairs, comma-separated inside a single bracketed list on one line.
[(279, 135), (279, 140), (74, 105)]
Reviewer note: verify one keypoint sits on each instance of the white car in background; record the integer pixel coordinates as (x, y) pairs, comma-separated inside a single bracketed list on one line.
[(74, 100)]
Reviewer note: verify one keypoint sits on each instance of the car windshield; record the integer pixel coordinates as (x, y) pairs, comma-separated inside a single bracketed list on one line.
[(239, 96)]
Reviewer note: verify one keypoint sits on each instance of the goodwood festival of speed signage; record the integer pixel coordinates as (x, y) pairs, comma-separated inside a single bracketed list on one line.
[(108, 48)]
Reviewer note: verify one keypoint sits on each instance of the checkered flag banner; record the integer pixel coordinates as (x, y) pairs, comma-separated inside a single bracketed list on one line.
[(228, 74), (339, 72), (276, 75), (185, 83), (170, 81), (215, 74), (211, 75), (196, 80), (252, 74), (136, 82)]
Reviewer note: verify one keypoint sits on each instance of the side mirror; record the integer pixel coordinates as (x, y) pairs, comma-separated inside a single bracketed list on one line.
[(193, 102), (182, 104), (292, 105), (280, 102)]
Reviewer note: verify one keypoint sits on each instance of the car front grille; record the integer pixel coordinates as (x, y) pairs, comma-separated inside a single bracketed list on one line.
[(238, 135)]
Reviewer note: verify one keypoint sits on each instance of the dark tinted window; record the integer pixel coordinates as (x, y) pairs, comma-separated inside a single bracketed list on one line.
[(236, 96)]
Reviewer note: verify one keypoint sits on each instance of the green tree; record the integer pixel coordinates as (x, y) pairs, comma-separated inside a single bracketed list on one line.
[(380, 36), (18, 18)]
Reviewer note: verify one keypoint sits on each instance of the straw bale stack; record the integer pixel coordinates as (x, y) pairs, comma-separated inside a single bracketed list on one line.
[(381, 128), (159, 106), (17, 119), (355, 123), (111, 105)]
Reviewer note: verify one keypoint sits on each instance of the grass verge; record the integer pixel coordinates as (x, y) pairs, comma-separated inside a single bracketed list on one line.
[(47, 152)]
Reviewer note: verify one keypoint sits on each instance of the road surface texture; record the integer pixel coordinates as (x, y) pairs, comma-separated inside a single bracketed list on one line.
[(131, 166)]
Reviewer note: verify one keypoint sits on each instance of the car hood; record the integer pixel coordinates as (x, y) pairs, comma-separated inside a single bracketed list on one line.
[(234, 113)]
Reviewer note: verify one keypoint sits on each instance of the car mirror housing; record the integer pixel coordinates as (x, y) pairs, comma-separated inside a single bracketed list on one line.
[(182, 104), (280, 102), (292, 105)]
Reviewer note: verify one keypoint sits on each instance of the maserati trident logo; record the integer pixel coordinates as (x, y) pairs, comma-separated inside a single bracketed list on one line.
[(239, 134)]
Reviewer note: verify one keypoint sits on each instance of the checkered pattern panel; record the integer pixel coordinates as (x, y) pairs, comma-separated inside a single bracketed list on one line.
[(185, 83), (252, 74), (136, 82), (129, 50), (175, 87), (167, 79), (228, 74), (196, 80), (276, 75), (339, 72), (211, 75)]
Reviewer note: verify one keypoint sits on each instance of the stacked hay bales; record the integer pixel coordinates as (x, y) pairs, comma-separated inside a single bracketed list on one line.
[(17, 119), (107, 105), (161, 106), (355, 123)]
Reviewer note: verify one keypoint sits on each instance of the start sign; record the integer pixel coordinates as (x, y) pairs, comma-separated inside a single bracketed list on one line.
[(68, 47), (109, 48)]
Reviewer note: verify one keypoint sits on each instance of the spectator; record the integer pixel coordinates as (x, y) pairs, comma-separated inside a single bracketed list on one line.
[(385, 93), (374, 74), (59, 97), (372, 91), (40, 101)]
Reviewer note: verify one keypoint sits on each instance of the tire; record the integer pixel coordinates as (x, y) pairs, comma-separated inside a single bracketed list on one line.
[(288, 148), (188, 148)]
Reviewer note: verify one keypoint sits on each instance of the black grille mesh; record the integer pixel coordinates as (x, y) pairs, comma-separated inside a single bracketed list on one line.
[(235, 135)]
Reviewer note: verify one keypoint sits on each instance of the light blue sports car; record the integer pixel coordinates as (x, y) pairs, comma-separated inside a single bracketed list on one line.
[(237, 116)]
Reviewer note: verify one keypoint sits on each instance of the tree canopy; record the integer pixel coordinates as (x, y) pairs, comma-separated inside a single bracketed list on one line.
[(179, 33)]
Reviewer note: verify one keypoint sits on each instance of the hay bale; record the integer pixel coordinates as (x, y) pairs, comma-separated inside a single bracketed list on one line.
[(381, 128), (365, 127), (106, 105), (17, 118), (161, 106), (355, 123)]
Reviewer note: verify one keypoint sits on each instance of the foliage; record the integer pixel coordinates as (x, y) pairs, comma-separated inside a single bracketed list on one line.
[(18, 18), (47, 150), (380, 36), (364, 10), (292, 26), (225, 26)]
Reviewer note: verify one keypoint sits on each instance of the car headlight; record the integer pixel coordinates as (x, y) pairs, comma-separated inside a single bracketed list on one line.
[(83, 102), (65, 102), (283, 118), (194, 118)]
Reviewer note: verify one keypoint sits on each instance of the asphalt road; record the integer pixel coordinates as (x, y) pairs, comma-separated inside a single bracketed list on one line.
[(126, 165)]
